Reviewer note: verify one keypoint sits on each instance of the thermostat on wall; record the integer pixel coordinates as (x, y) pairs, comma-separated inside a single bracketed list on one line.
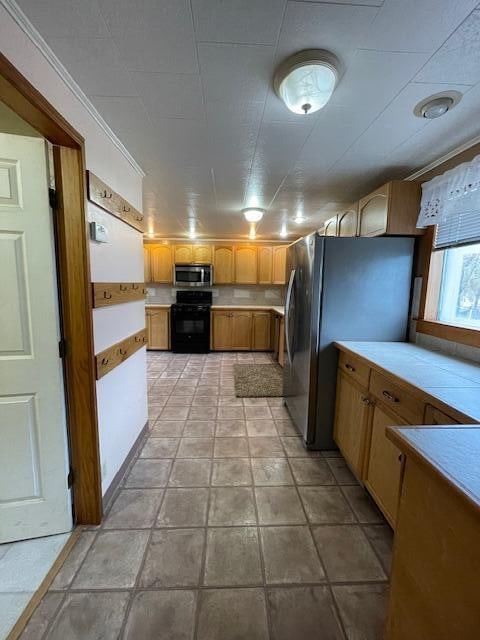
[(98, 232)]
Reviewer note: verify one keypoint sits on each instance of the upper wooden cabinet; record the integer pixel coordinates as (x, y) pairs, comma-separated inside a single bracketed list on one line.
[(183, 253), (264, 257), (390, 210), (245, 264), (330, 227), (202, 253), (223, 265), (161, 263), (347, 222), (279, 265), (147, 273)]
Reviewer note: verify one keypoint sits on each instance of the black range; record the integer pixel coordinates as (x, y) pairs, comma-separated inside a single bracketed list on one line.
[(190, 322)]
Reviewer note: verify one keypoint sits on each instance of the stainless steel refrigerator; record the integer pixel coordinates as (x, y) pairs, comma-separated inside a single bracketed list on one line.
[(338, 289)]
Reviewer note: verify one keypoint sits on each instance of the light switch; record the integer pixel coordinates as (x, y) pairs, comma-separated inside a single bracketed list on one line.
[(98, 232)]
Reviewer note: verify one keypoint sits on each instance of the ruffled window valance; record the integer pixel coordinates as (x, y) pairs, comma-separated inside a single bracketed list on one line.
[(454, 192)]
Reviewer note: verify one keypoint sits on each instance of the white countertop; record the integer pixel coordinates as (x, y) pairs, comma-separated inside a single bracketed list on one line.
[(247, 307), (454, 382)]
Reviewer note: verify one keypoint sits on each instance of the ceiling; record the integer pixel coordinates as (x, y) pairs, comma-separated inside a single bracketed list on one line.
[(187, 87)]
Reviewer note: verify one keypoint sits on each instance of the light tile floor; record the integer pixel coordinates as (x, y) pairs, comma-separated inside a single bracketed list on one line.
[(225, 528)]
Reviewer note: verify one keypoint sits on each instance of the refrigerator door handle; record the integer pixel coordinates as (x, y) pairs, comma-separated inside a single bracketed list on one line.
[(287, 314)]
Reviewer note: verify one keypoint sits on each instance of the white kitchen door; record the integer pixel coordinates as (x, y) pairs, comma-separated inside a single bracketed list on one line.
[(34, 494)]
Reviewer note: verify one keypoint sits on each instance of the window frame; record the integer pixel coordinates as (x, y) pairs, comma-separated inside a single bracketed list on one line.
[(427, 322)]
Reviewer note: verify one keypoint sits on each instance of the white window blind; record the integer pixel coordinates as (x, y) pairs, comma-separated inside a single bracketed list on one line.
[(462, 228)]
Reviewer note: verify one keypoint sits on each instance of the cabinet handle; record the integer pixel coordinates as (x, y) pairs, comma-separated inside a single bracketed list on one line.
[(390, 396), (400, 457), (349, 367), (366, 401)]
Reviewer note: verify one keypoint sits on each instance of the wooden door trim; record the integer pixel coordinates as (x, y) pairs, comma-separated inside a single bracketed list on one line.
[(74, 285)]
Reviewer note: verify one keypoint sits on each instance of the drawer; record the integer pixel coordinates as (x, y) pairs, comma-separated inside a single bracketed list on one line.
[(354, 367), (395, 397), (435, 416)]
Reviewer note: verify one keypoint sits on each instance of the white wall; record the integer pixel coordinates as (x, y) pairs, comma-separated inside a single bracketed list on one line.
[(121, 394)]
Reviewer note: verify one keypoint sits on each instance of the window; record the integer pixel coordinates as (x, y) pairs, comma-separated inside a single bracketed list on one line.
[(459, 287)]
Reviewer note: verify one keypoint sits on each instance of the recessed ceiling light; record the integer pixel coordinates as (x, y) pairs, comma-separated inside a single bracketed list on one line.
[(253, 214), (299, 218), (305, 81), (437, 105)]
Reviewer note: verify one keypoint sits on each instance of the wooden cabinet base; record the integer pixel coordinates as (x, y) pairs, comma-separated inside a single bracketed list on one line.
[(434, 585)]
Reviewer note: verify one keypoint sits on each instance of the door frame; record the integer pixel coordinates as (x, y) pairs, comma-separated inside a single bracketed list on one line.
[(74, 286)]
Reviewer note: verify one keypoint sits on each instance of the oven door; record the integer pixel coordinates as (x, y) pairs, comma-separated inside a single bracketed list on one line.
[(190, 331), (189, 276)]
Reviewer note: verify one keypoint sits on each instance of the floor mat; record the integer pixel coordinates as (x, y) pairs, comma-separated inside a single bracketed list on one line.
[(258, 380)]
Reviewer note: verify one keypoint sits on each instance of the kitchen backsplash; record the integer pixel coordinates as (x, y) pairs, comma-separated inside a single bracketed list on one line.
[(235, 295), (431, 342)]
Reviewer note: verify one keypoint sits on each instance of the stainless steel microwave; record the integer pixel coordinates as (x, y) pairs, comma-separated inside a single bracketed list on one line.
[(193, 275)]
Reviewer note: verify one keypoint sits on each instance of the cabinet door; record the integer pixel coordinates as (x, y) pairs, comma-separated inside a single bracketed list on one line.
[(330, 228), (223, 265), (347, 223), (279, 265), (351, 419), (183, 253), (281, 343), (373, 212), (261, 334), (222, 330), (147, 274), (202, 254), (383, 472), (158, 329), (264, 256), (242, 330), (161, 265), (245, 265)]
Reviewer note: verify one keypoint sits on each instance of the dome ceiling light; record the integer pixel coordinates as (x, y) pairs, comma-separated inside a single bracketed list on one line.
[(437, 105), (305, 81), (253, 214)]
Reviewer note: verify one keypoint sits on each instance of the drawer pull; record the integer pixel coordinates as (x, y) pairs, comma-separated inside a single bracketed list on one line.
[(349, 367), (390, 396)]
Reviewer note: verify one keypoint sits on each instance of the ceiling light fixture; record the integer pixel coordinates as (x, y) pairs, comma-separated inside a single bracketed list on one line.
[(437, 105), (253, 214), (299, 218), (305, 81)]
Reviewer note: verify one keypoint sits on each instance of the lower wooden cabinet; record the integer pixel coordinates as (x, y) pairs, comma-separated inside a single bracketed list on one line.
[(353, 409), (261, 330), (384, 464), (239, 330), (158, 328)]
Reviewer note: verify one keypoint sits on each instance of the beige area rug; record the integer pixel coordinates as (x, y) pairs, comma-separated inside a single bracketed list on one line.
[(258, 380)]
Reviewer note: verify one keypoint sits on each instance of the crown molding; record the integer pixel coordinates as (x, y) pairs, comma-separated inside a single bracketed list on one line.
[(442, 159), (28, 28)]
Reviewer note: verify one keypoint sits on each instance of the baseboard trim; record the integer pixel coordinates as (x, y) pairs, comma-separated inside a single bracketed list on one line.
[(35, 600), (115, 483)]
